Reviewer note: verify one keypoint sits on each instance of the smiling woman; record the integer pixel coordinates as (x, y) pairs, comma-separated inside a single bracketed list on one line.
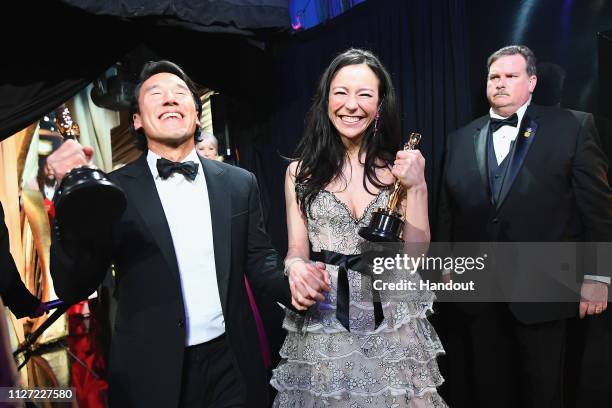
[(354, 90), (347, 351), (353, 102)]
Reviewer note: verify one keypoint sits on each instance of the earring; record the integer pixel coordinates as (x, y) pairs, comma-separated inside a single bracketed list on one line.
[(376, 118)]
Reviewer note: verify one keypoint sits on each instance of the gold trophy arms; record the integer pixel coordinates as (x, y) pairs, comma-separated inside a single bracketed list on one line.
[(398, 188)]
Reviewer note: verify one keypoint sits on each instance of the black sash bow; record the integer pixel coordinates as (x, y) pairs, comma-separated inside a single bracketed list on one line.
[(344, 263)]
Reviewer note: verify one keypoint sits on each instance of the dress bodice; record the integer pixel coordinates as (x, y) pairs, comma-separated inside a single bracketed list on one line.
[(332, 226)]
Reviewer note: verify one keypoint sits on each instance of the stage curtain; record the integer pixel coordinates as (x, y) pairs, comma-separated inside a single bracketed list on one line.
[(43, 68), (9, 195), (95, 124), (306, 14), (8, 371), (604, 46), (10, 204), (245, 17)]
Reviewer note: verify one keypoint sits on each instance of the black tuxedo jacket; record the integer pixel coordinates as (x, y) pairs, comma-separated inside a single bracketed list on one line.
[(555, 189), (149, 341)]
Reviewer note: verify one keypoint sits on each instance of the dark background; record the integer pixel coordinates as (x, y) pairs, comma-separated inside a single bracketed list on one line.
[(559, 31), (435, 50)]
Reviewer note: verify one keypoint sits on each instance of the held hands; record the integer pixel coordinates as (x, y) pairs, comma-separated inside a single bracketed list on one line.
[(69, 156), (409, 168), (593, 298), (308, 281)]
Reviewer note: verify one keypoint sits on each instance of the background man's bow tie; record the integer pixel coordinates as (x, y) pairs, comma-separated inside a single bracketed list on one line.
[(509, 121)]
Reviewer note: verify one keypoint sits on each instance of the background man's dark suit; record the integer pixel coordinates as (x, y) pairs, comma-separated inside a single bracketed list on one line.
[(149, 340), (559, 193)]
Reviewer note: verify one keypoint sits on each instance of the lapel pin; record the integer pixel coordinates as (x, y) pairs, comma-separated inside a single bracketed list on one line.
[(527, 132)]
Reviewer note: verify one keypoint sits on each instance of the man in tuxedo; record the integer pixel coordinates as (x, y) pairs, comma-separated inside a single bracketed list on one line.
[(184, 332), (522, 173)]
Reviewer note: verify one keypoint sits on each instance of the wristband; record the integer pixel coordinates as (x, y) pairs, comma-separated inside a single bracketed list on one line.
[(291, 261)]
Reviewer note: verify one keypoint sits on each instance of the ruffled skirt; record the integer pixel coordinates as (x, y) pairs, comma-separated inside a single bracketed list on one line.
[(394, 365)]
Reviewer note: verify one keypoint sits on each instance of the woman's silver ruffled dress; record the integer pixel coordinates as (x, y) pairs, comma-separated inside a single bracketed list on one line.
[(323, 365)]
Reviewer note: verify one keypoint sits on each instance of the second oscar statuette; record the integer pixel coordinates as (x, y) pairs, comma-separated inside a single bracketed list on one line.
[(387, 223)]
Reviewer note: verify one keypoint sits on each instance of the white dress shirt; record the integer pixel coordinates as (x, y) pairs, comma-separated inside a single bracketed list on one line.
[(187, 208), (505, 135)]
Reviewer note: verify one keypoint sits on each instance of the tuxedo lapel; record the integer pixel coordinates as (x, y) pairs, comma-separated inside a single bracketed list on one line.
[(220, 213), (480, 149), (143, 194), (525, 137)]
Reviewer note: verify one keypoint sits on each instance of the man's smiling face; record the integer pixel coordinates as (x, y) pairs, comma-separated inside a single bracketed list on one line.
[(167, 112)]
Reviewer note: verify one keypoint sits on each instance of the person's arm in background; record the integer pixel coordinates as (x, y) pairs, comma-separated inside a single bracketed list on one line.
[(12, 289), (594, 198)]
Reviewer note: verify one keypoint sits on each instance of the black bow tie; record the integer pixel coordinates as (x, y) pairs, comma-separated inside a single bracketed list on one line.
[(509, 121), (166, 168)]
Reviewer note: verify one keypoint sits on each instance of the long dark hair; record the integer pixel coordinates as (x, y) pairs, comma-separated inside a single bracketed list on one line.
[(148, 70), (321, 153)]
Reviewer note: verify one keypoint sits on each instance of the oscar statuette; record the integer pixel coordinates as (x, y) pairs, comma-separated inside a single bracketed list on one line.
[(86, 200), (387, 223)]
